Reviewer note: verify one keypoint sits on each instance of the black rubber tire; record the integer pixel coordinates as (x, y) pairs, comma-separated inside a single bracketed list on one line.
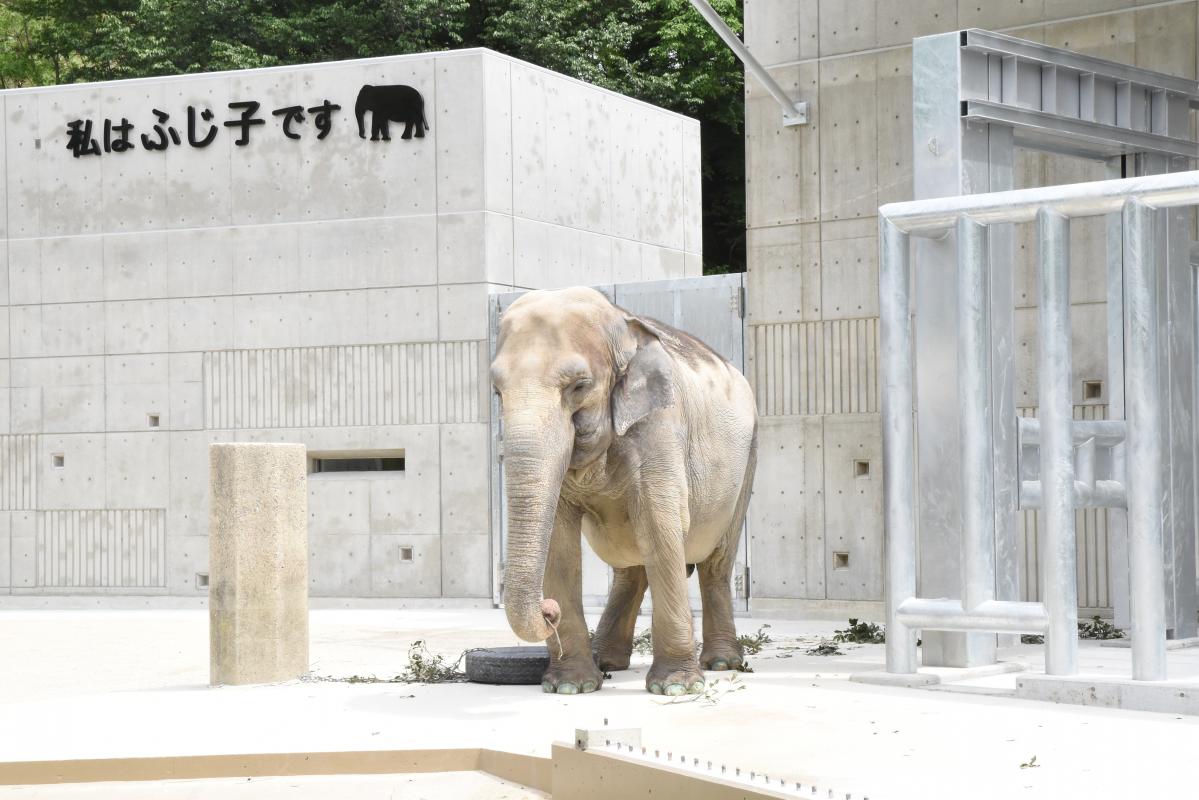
[(512, 666)]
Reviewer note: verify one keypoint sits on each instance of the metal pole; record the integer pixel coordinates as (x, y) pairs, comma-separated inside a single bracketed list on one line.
[(1146, 485), (974, 397), (794, 113), (899, 442), (1058, 552)]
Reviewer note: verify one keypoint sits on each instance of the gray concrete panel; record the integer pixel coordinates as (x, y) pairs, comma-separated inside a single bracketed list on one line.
[(785, 282), (849, 138), (1165, 38), (461, 248), (5, 556), (458, 307), (200, 324), (895, 124), (773, 29), (339, 564), (899, 23), (130, 406), (465, 506), (786, 514), (846, 26), (134, 187), (458, 131), (1111, 36), (267, 182), (996, 16), (497, 126), (782, 164), (849, 277), (393, 575), (853, 508), (80, 480), (70, 193), (136, 326), (498, 249), (340, 503), (199, 262), (23, 550), (465, 565), (186, 556), (22, 140), (404, 314), (25, 271), (188, 499), (199, 180), (134, 266), (265, 259), (72, 269), (137, 469)]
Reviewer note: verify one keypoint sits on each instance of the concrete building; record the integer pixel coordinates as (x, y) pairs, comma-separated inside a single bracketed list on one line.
[(241, 284), (813, 194)]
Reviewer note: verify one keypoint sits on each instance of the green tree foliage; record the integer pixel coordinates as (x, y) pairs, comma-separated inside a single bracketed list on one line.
[(660, 51)]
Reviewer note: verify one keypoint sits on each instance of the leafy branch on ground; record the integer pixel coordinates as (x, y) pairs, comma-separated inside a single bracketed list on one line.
[(752, 643), (1098, 629), (860, 633), (643, 642), (825, 648), (1095, 629), (1030, 763), (423, 667)]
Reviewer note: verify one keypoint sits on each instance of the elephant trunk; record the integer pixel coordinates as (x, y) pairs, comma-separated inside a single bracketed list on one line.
[(536, 454)]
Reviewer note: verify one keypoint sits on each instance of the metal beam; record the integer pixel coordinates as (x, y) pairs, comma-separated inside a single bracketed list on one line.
[(795, 112)]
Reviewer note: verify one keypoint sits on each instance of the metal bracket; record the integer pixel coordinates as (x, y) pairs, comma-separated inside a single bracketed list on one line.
[(795, 112)]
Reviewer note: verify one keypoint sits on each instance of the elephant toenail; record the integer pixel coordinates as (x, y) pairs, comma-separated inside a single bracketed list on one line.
[(675, 689), (567, 688), (697, 687), (719, 664), (589, 686), (656, 688), (546, 686)]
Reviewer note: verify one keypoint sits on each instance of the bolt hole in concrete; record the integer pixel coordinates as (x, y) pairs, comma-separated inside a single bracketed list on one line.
[(153, 420), (58, 460), (861, 469), (1092, 390), (840, 560)]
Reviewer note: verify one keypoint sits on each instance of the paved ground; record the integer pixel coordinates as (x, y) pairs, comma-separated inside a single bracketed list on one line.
[(96, 684)]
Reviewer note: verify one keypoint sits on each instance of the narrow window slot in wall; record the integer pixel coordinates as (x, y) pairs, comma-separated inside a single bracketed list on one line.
[(840, 560), (391, 462), (861, 468), (58, 460), (405, 554), (153, 420), (1092, 390)]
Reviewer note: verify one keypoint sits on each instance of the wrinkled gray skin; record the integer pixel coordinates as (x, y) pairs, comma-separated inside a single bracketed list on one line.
[(651, 435)]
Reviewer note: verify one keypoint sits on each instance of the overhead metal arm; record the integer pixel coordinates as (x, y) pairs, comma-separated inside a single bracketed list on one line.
[(794, 112)]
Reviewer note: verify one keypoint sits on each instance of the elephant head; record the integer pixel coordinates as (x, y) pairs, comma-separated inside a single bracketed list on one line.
[(573, 372)]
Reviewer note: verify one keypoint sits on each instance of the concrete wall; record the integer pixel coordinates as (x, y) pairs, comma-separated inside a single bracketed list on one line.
[(813, 194), (331, 292)]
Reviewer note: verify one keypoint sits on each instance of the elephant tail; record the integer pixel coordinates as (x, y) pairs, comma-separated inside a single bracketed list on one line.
[(423, 121)]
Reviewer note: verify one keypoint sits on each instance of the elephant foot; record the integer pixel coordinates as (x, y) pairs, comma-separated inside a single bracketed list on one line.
[(574, 676), (613, 659), (721, 656), (674, 678)]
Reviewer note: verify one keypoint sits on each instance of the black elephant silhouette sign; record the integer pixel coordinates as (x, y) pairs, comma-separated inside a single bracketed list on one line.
[(387, 104)]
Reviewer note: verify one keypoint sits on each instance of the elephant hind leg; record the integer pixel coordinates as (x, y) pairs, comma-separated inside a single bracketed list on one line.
[(407, 129), (721, 650), (613, 645)]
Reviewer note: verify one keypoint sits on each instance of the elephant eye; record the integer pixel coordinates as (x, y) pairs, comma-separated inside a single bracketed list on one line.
[(580, 386)]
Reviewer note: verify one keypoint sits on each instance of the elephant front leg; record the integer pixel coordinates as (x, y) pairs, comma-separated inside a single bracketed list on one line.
[(675, 669), (572, 669), (613, 645)]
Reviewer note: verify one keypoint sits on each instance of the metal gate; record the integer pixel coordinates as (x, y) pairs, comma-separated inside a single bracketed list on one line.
[(712, 309)]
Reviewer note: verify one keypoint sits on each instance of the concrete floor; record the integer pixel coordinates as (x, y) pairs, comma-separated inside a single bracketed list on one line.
[(103, 684)]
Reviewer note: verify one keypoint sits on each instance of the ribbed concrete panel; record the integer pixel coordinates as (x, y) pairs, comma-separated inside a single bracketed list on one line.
[(824, 367), (120, 548), (18, 472), (295, 387), (1091, 540)]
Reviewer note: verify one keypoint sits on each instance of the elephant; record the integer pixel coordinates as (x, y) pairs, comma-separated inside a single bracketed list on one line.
[(397, 103), (651, 435)]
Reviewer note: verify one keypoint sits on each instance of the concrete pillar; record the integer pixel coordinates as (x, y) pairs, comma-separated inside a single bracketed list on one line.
[(258, 563)]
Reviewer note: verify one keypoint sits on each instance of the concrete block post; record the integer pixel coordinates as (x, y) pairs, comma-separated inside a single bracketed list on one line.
[(258, 567)]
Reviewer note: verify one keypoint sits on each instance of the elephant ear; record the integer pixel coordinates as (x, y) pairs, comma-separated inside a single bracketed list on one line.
[(646, 383)]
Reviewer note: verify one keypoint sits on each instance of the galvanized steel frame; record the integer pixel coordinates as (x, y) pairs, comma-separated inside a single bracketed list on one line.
[(1140, 202)]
